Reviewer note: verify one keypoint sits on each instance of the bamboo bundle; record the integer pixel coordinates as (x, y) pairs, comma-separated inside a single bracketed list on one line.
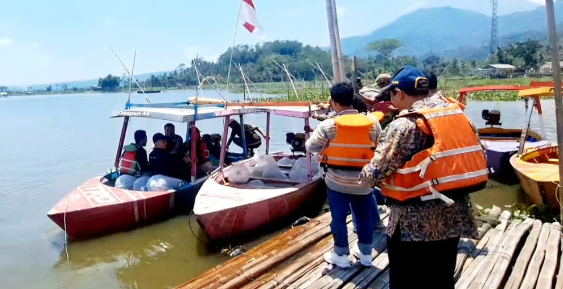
[(559, 284), (489, 262), (537, 259), (547, 272), (369, 276), (465, 247), (224, 272), (493, 244), (339, 276), (308, 279), (381, 282), (498, 274), (476, 251), (273, 260), (521, 264)]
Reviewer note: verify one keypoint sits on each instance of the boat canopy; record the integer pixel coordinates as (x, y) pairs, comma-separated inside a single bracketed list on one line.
[(177, 112), (185, 112), (536, 92)]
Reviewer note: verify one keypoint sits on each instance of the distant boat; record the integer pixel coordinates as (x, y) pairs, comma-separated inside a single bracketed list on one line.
[(149, 91), (3, 94)]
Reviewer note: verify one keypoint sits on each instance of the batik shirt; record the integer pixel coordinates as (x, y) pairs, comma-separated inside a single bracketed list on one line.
[(421, 221)]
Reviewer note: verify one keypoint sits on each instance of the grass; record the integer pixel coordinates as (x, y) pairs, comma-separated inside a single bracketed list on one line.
[(318, 91)]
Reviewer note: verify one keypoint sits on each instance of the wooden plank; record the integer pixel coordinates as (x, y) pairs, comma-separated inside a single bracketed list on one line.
[(531, 277), (369, 276), (547, 272), (381, 282)]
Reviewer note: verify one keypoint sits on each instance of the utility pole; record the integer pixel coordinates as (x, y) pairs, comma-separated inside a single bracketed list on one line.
[(494, 27)]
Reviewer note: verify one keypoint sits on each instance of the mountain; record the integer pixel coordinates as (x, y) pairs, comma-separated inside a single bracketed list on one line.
[(452, 32)]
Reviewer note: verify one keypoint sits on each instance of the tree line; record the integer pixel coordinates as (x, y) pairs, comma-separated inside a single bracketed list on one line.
[(260, 63)]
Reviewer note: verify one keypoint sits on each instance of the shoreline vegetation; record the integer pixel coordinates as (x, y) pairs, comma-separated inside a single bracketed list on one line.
[(319, 90)]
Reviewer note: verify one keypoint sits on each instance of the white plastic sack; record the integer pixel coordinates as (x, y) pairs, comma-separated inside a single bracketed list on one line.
[(163, 183), (256, 183), (301, 163), (256, 172), (141, 184), (125, 182), (238, 174), (274, 173), (298, 175), (286, 162), (267, 161)]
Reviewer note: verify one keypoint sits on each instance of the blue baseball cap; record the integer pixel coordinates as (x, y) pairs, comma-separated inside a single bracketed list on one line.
[(408, 78)]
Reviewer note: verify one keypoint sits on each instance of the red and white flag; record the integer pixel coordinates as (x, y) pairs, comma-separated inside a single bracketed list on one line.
[(248, 14)]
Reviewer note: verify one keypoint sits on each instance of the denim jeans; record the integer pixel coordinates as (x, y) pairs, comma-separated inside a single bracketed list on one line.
[(373, 211), (339, 204)]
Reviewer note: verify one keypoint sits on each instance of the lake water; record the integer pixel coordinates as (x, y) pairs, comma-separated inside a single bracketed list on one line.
[(51, 144)]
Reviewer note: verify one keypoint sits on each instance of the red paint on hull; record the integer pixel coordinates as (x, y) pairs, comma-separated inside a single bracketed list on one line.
[(249, 217), (95, 209)]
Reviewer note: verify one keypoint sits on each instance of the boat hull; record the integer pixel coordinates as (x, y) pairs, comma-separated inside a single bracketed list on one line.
[(94, 209), (249, 217)]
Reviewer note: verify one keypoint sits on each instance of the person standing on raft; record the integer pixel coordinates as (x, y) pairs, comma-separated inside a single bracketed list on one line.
[(345, 143), (426, 163)]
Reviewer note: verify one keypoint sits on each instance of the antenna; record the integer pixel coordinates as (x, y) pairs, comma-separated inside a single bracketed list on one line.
[(494, 27)]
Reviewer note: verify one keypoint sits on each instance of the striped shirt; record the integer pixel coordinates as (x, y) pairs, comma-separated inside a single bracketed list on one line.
[(340, 180)]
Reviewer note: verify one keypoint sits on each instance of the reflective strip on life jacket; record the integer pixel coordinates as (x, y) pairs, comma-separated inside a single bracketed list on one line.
[(424, 164), (456, 160), (352, 146)]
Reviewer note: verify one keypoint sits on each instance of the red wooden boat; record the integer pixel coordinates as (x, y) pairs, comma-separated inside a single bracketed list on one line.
[(224, 209), (97, 207)]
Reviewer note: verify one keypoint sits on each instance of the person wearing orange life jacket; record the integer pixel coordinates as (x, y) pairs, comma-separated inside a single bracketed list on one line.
[(427, 161), (345, 143), (134, 158)]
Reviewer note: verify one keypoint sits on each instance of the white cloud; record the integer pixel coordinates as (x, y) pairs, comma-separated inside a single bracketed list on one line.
[(340, 11), (5, 41), (35, 46)]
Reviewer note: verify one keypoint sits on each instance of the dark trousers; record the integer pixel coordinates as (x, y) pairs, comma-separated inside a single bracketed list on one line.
[(421, 264)]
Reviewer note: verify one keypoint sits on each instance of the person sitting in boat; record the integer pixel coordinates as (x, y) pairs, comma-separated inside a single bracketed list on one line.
[(202, 155), (163, 163), (134, 158), (253, 140), (173, 141)]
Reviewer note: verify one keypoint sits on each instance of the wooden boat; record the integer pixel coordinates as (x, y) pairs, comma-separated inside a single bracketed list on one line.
[(3, 94), (97, 207), (502, 143), (538, 171), (224, 209)]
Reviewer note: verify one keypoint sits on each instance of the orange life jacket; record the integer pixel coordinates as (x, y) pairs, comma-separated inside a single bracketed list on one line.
[(128, 162), (352, 146), (455, 161)]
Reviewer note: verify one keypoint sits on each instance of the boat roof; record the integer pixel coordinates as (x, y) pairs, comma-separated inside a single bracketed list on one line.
[(186, 112), (535, 92), (465, 90)]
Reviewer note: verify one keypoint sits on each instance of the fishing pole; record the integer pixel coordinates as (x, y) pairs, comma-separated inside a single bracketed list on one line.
[(127, 71)]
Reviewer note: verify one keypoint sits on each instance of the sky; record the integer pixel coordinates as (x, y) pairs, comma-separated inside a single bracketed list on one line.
[(53, 41)]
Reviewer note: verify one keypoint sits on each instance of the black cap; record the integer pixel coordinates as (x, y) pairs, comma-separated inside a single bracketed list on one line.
[(158, 136)]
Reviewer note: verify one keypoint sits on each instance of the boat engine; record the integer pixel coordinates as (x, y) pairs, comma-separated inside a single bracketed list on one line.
[(492, 117), (296, 140)]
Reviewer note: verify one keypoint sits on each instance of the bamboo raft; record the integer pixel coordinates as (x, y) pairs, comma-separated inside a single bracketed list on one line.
[(514, 254)]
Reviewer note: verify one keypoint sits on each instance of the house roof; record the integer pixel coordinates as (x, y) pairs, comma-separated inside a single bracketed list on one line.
[(502, 66), (549, 64)]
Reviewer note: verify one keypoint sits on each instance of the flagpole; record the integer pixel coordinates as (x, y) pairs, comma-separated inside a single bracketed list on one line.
[(233, 46)]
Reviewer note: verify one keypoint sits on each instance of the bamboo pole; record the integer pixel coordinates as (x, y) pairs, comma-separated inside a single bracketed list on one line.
[(476, 251), (498, 273), (337, 40), (337, 77), (381, 282), (355, 75), (486, 270), (557, 88), (547, 273), (521, 264), (537, 259), (465, 247), (559, 277)]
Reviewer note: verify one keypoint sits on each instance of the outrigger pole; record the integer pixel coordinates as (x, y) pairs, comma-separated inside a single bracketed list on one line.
[(557, 89), (126, 118)]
